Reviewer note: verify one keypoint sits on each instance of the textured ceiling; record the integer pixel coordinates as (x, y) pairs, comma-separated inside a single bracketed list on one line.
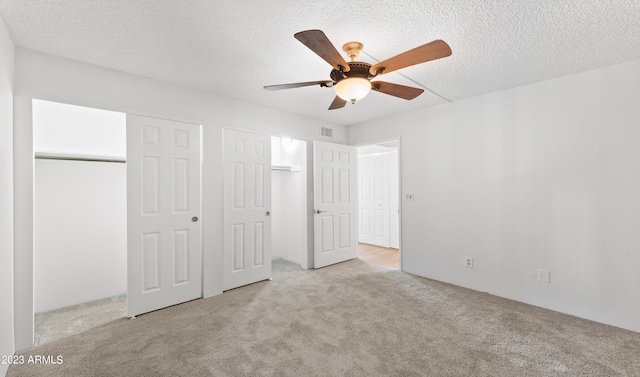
[(237, 47)]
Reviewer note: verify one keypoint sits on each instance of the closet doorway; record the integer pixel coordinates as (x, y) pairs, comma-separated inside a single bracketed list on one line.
[(80, 218), (291, 183)]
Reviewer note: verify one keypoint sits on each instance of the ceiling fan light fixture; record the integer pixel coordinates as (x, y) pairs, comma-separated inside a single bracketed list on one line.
[(352, 80), (353, 88)]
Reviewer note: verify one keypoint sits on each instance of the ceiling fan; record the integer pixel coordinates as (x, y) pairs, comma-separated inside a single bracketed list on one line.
[(352, 80)]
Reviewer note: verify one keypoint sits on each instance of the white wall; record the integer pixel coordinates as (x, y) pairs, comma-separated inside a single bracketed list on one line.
[(544, 176), (6, 194), (57, 79), (60, 128), (80, 232), (288, 202)]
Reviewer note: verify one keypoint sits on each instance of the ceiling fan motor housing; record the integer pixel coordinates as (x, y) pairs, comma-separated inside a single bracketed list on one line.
[(358, 69)]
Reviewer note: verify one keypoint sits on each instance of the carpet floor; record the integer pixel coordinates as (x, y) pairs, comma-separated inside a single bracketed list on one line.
[(63, 322), (350, 319)]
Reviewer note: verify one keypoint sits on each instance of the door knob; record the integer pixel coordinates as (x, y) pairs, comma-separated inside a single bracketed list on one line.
[(267, 213), (194, 219), (318, 211)]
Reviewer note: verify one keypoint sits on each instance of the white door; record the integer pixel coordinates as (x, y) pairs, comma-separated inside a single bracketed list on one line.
[(247, 202), (394, 204), (374, 203), (164, 257), (334, 200)]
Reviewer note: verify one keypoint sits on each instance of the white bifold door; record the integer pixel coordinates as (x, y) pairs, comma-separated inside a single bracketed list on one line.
[(164, 256), (334, 199), (247, 206)]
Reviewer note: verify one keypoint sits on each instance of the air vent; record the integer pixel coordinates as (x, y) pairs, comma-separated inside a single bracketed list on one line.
[(328, 132)]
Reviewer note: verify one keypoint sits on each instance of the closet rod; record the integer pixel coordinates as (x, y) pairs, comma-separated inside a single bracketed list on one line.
[(69, 157)]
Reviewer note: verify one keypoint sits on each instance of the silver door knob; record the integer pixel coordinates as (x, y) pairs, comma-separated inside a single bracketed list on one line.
[(194, 219), (267, 213), (318, 211)]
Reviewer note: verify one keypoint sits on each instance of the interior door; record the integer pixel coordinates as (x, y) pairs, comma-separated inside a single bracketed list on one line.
[(247, 203), (374, 203), (164, 256), (334, 199), (394, 203)]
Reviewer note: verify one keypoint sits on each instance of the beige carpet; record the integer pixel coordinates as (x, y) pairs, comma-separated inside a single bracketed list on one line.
[(60, 323), (350, 319)]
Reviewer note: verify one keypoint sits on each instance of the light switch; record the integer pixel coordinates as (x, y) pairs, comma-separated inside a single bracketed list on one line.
[(544, 276)]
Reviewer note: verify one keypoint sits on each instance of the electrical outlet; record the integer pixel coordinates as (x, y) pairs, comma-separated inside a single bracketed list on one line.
[(544, 276), (468, 262), (408, 197)]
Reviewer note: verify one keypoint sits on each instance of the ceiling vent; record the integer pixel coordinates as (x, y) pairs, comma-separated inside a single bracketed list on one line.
[(328, 132)]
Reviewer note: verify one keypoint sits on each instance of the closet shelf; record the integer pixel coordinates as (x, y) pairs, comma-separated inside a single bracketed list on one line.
[(77, 157), (285, 168)]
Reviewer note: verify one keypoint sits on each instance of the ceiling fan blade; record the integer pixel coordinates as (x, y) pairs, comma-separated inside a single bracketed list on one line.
[(298, 85), (337, 103), (427, 52), (396, 90), (318, 42)]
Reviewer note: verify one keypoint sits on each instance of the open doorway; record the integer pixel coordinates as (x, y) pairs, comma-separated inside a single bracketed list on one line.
[(302, 210), (290, 202), (378, 204), (80, 246)]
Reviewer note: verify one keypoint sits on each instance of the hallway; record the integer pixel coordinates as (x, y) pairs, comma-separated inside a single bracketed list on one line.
[(379, 255)]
